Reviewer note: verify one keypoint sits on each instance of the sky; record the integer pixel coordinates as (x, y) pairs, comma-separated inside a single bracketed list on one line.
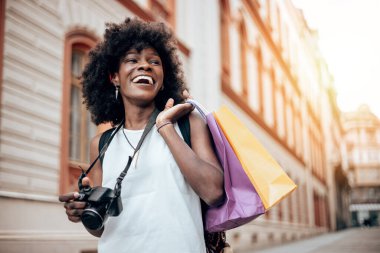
[(349, 39)]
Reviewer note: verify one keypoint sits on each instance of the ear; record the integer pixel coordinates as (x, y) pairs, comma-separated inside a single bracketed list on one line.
[(114, 78)]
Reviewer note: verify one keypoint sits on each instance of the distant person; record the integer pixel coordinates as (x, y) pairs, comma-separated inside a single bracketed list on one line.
[(367, 222)]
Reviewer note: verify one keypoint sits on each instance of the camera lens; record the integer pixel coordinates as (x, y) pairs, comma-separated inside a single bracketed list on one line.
[(91, 219)]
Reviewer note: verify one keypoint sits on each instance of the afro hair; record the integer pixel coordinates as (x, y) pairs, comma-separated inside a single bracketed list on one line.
[(104, 62)]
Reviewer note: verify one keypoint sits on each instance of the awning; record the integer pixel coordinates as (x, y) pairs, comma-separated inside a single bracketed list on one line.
[(365, 207)]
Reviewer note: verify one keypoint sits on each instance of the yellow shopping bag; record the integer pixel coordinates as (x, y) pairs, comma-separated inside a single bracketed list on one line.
[(269, 179)]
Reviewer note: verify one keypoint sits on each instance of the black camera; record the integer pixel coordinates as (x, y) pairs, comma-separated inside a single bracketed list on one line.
[(101, 203)]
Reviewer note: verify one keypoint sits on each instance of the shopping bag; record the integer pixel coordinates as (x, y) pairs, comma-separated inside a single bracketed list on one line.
[(269, 179), (242, 203)]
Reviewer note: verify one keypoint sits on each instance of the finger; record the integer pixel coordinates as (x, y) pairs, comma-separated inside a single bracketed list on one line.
[(85, 181), (68, 196), (74, 218), (192, 107), (74, 212), (186, 94), (185, 108), (75, 205), (180, 110), (169, 103)]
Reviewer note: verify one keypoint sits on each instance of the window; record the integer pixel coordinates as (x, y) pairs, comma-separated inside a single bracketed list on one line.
[(163, 11), (279, 27), (280, 119), (371, 136), (77, 128), (81, 127), (260, 69), (225, 39), (269, 14), (305, 198), (290, 206), (243, 57), (268, 98), (317, 220), (280, 211), (289, 125), (253, 83)]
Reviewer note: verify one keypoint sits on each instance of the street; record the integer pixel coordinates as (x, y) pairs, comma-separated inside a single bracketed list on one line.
[(355, 240)]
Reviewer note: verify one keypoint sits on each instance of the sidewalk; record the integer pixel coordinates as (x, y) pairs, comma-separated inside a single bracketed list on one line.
[(354, 240)]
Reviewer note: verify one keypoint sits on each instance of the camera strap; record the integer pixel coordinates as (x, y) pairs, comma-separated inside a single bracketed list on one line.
[(101, 153), (148, 127)]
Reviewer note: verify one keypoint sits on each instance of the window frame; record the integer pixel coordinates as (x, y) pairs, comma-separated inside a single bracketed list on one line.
[(167, 8), (80, 40)]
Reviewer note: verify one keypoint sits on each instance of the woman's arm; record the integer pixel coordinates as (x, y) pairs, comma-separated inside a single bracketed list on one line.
[(96, 174), (74, 209), (198, 164)]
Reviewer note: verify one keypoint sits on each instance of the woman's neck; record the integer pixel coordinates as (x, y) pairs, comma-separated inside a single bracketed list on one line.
[(137, 117)]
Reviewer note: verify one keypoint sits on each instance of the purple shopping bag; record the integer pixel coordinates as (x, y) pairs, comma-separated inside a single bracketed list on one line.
[(242, 202)]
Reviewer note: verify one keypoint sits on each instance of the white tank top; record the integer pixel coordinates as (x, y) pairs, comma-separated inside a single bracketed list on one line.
[(161, 212)]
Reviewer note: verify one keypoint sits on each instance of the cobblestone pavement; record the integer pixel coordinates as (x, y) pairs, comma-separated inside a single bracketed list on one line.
[(354, 240)]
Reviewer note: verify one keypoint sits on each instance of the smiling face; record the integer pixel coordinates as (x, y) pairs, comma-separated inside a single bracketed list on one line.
[(140, 76)]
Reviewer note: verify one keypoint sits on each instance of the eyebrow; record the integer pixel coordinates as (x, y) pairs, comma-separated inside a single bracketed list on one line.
[(131, 52), (134, 51)]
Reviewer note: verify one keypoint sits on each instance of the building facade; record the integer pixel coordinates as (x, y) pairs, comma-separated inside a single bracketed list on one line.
[(362, 140), (275, 79), (257, 57), (336, 158)]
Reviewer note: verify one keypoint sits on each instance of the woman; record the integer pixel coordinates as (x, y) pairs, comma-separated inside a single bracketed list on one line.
[(131, 73)]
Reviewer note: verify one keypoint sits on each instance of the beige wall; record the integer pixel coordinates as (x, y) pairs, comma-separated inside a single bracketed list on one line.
[(31, 218), (289, 111), (36, 226)]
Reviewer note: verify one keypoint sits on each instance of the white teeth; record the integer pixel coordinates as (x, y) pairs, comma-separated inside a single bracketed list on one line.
[(138, 78)]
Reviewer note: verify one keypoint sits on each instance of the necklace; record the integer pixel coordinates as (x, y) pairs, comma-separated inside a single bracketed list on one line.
[(130, 144), (134, 161)]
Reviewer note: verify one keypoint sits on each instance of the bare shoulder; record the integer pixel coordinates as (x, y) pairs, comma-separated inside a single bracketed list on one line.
[(196, 120), (198, 130), (96, 173), (201, 139), (94, 143)]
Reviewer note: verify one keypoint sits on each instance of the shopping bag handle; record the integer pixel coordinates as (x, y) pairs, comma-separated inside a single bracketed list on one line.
[(199, 107)]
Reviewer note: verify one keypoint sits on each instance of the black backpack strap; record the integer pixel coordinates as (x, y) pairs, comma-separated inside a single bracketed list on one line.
[(103, 140), (184, 126)]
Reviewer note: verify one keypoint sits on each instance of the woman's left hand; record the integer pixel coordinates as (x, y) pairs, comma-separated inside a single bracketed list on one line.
[(172, 112), (198, 163)]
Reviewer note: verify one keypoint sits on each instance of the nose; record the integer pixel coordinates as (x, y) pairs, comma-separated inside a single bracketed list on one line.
[(144, 66)]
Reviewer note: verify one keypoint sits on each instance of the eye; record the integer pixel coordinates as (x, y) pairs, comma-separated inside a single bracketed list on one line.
[(130, 60), (155, 62)]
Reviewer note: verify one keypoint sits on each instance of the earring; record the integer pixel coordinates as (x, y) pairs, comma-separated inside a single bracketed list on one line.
[(162, 88), (116, 91)]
